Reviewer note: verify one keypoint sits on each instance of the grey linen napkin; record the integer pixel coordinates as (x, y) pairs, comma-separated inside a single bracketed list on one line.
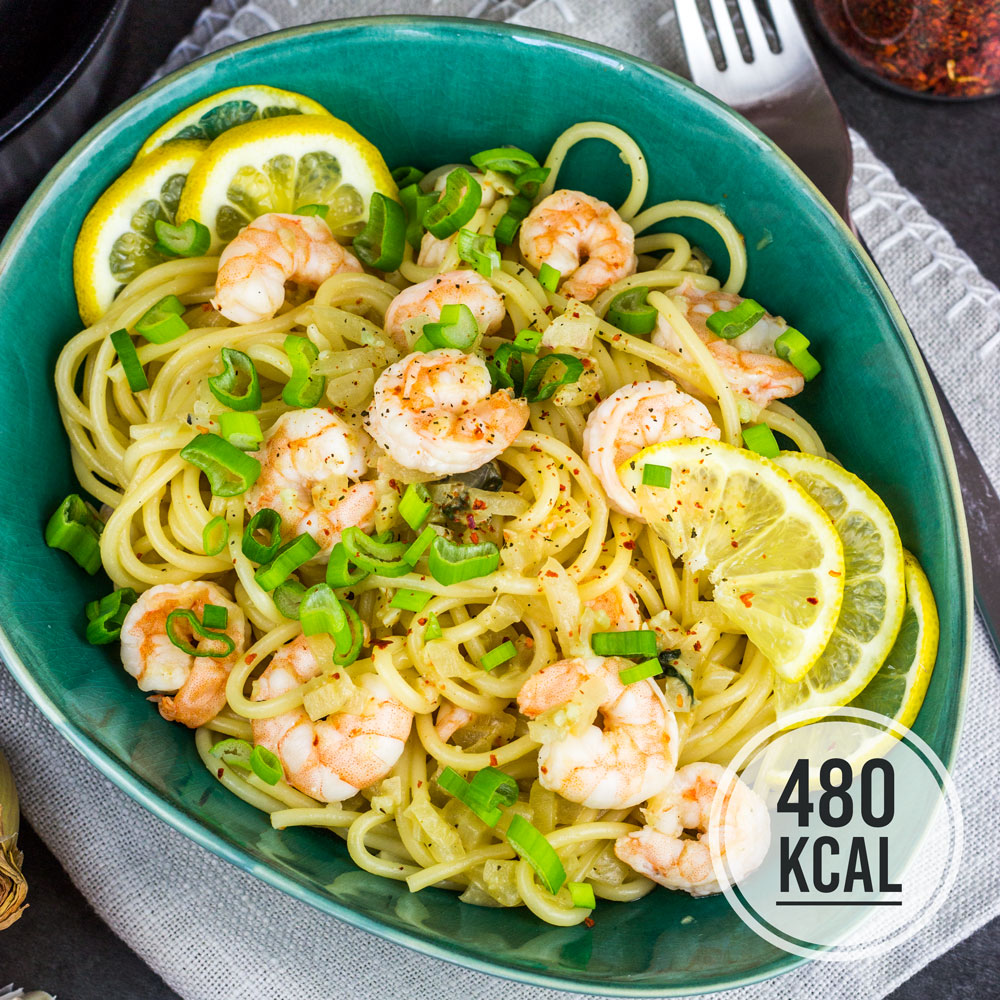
[(206, 927)]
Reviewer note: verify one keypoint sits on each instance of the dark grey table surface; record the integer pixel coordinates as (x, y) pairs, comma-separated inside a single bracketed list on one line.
[(947, 154)]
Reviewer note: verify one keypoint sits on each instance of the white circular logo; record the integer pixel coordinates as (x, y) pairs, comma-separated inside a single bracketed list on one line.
[(865, 834)]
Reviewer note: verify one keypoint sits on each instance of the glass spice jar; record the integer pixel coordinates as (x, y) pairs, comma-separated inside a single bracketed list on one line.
[(933, 48)]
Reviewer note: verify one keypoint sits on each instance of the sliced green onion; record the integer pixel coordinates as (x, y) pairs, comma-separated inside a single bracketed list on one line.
[(288, 597), (531, 180), (433, 629), (648, 668), (264, 520), (131, 364), (656, 475), (639, 642), (535, 392), (410, 600), (517, 211), (582, 894), (162, 323), (730, 323), (531, 844), (507, 369), (230, 472), (174, 634), (416, 203), (266, 765), (234, 752), (404, 176), (450, 562), (303, 389), (528, 341), (450, 781), (790, 342), (381, 243), (347, 645), (105, 616), (286, 561), (74, 529), (339, 572), (548, 277), (760, 438), (383, 558), (419, 546), (214, 536), (215, 616), (320, 612), (238, 385), (189, 239), (457, 205), (480, 251), (504, 160), (630, 312), (321, 210), (457, 328), (415, 505), (501, 654), (241, 429), (806, 364), (496, 786)]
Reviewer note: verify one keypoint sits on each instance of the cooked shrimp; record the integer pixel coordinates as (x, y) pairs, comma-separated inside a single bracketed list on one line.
[(660, 852), (632, 418), (434, 412), (194, 686), (425, 301), (273, 249), (620, 765), (308, 461), (450, 718), (748, 362), (333, 758), (621, 607), (584, 239)]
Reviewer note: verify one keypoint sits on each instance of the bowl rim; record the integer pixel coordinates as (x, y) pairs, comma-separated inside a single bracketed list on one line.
[(136, 789), (54, 84)]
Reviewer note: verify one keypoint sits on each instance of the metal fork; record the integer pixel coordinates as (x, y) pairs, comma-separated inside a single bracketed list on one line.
[(783, 93)]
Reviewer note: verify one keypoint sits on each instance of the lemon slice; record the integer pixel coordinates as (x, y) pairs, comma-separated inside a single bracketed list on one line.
[(874, 591), (772, 554), (898, 689), (209, 118), (278, 164), (116, 242)]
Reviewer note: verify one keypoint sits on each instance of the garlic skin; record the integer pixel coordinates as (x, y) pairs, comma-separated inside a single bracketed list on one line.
[(13, 887)]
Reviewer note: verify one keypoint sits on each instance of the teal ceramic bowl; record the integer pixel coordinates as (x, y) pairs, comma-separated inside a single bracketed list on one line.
[(442, 90)]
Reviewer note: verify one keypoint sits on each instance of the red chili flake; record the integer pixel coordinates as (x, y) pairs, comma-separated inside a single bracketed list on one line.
[(493, 760), (588, 922), (250, 658), (474, 535), (421, 621), (747, 599), (479, 505), (220, 772), (381, 643), (945, 48), (420, 784), (697, 645), (834, 572), (735, 544), (551, 572), (812, 600), (629, 545), (544, 770)]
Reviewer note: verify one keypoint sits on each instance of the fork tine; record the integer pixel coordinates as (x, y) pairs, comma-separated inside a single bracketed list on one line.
[(786, 24), (728, 41), (750, 16), (701, 61)]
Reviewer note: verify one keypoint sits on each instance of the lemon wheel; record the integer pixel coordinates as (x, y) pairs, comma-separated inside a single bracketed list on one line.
[(117, 241), (874, 589), (771, 553), (280, 164), (897, 690), (209, 118)]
